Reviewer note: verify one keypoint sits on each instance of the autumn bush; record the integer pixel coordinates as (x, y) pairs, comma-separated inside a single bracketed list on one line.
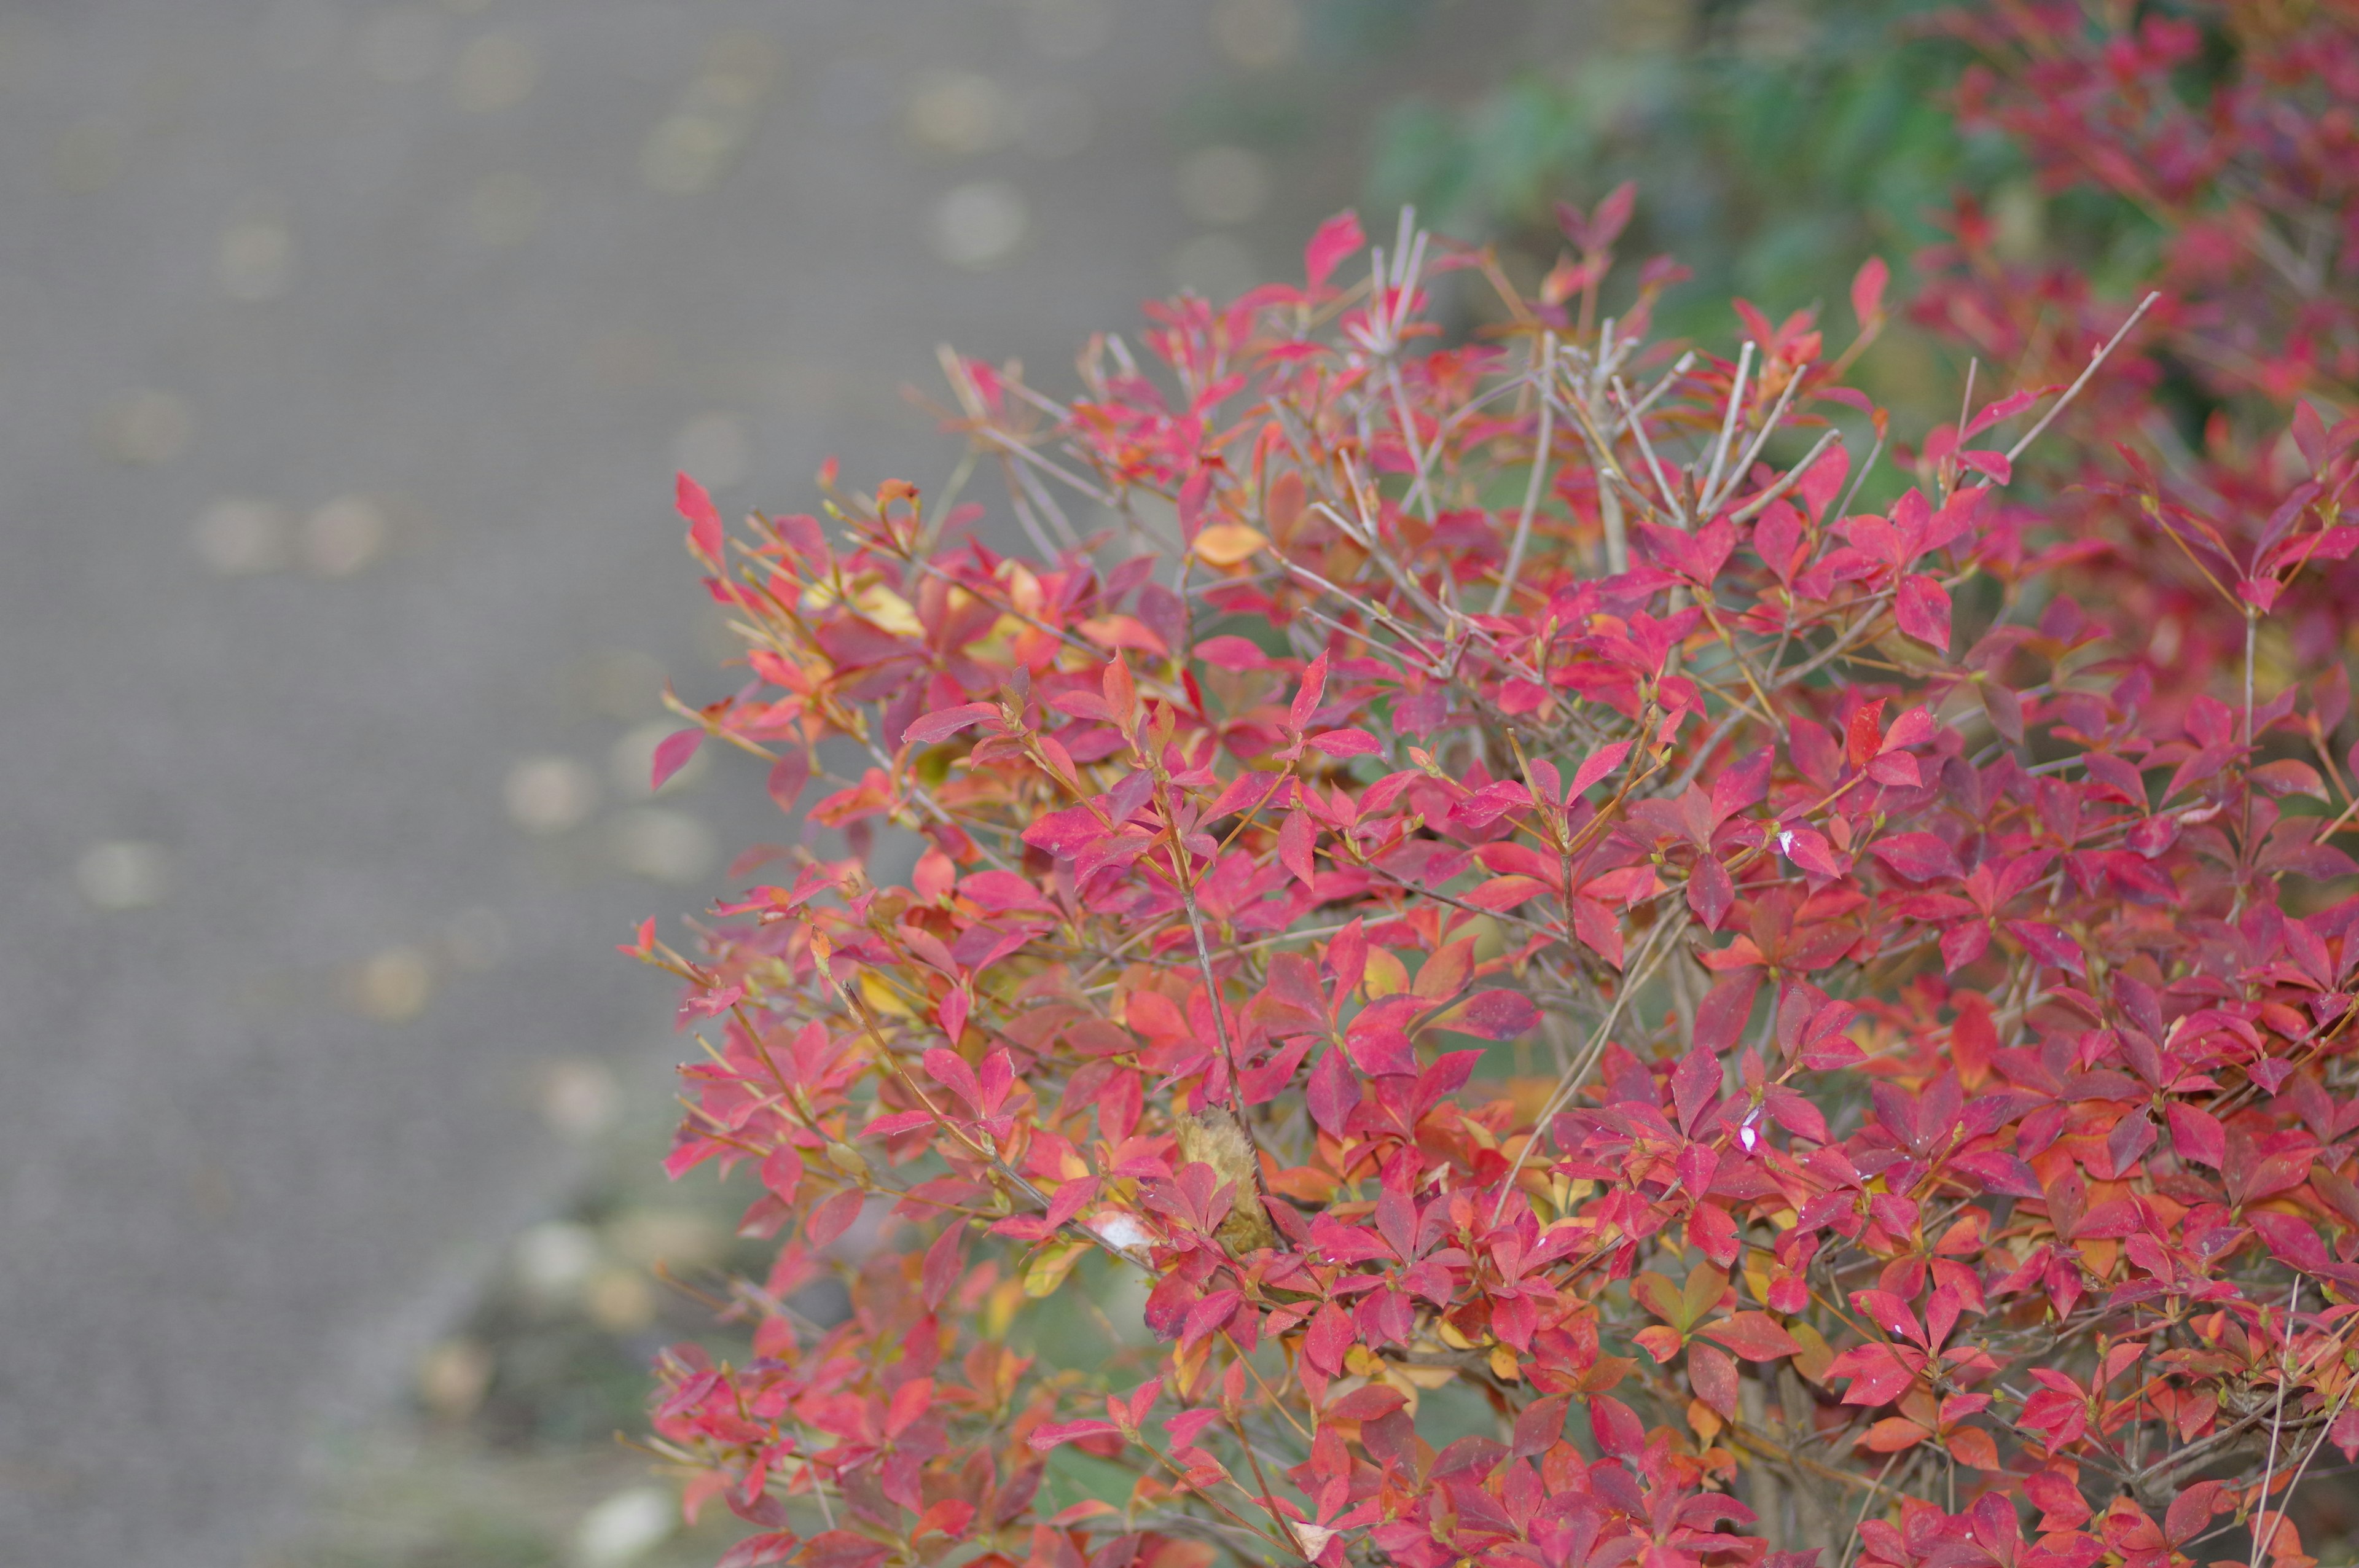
[(1545, 947)]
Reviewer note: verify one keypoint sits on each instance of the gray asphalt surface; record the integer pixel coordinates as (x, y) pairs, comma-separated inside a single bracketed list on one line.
[(346, 349)]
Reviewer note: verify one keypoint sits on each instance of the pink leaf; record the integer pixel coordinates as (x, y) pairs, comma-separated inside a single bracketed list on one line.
[(704, 520), (1595, 766), (673, 754), (1867, 290), (1306, 699), (1346, 744), (1492, 1015), (833, 1217), (1756, 1336), (788, 778), (1046, 1437), (943, 723), (1995, 464), (1615, 1426), (1231, 653), (2196, 1134), (1337, 238), (1333, 1093), (1922, 609), (949, 1069), (1919, 857), (1295, 836)]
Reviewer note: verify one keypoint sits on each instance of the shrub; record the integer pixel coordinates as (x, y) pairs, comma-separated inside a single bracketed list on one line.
[(1945, 1150)]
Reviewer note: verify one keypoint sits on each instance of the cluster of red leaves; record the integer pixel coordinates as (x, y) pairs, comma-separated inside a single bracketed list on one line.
[(1947, 1153), (2227, 131)]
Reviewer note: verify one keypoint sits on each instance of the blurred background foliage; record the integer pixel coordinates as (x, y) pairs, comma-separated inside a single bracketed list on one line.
[(1776, 145)]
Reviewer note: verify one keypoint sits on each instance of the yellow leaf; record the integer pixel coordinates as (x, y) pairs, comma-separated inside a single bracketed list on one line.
[(1816, 1355), (882, 997), (1504, 1366), (1228, 543), (890, 611), (1049, 1269), (1387, 974)]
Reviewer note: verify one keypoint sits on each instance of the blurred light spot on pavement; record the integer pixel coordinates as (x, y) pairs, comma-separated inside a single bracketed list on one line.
[(495, 71), (344, 535), (452, 1377), (1224, 185), (552, 1260), (123, 873), (550, 795), (692, 147), (256, 260), (979, 224), (663, 846), (394, 986), (240, 536), (146, 426), (960, 112), (623, 1529), (579, 1097)]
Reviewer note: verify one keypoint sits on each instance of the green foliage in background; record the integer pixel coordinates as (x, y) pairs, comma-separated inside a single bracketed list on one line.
[(1774, 145)]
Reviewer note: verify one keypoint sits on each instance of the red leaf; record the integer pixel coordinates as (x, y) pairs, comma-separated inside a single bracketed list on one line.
[(1756, 1336), (772, 1546), (2197, 1134), (704, 520), (1329, 1338), (1306, 697), (1337, 238), (1659, 1340), (1615, 1426), (1713, 1377), (1333, 1092), (1046, 1437), (949, 1069), (1294, 840), (1725, 1008), (1710, 892), (943, 723), (1864, 733), (1504, 892), (673, 754), (788, 778), (833, 1217), (1809, 849), (1993, 464), (2289, 775), (1595, 766), (1867, 290), (1541, 1427), (1919, 857), (1492, 1015), (1346, 744), (1923, 611)]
